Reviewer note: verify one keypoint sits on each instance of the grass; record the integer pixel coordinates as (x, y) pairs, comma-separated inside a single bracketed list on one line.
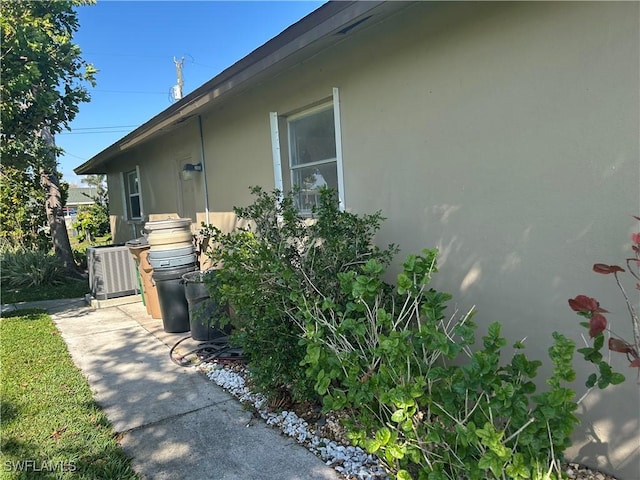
[(82, 246), (26, 266), (51, 426), (70, 289)]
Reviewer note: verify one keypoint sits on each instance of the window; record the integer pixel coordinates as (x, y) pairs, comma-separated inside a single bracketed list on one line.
[(314, 153), (132, 188)]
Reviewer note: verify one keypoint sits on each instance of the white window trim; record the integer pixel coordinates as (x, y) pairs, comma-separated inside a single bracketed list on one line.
[(140, 191), (276, 152), (131, 195), (126, 196), (325, 106)]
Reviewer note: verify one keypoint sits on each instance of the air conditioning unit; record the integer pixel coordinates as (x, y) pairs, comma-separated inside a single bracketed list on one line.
[(112, 272)]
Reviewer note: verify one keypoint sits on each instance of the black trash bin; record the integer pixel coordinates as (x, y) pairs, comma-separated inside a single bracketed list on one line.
[(204, 312), (173, 303)]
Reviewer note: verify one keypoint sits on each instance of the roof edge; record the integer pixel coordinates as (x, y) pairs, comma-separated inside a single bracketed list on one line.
[(323, 21)]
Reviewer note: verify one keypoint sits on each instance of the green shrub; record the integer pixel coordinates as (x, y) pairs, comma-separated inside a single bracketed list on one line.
[(317, 321), (278, 256), (92, 221), (396, 365), (30, 268), (80, 253)]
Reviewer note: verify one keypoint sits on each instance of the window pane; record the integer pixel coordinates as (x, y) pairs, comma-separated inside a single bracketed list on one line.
[(133, 182), (135, 206), (313, 138), (311, 180)]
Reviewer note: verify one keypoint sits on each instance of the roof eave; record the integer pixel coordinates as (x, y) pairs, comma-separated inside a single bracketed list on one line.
[(320, 24)]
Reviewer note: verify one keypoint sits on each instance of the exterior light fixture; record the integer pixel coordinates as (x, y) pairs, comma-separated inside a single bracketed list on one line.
[(189, 170)]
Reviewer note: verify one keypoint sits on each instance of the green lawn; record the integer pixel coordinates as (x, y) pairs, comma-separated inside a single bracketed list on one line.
[(70, 289), (51, 426)]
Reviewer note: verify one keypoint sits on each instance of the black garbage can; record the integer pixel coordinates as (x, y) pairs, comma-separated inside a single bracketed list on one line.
[(173, 303), (204, 312)]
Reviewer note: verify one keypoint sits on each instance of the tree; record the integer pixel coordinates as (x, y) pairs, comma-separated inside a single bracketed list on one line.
[(99, 182), (44, 79), (93, 221), (21, 214)]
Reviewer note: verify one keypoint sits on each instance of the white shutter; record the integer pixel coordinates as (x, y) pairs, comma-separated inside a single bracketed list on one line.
[(125, 203), (336, 119), (275, 151)]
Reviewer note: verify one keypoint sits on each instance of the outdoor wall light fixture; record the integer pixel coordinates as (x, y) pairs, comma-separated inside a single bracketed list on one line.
[(190, 169)]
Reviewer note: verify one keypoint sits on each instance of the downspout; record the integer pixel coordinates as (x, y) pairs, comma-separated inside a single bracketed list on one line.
[(204, 172)]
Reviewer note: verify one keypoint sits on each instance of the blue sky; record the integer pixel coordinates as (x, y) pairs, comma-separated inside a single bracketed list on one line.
[(133, 45)]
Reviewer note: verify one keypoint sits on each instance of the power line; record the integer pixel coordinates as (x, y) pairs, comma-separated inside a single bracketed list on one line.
[(190, 59), (135, 55), (102, 129), (65, 153), (203, 65), (106, 126), (128, 91), (92, 133)]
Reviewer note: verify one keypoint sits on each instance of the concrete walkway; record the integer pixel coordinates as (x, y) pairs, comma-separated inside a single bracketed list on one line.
[(173, 421)]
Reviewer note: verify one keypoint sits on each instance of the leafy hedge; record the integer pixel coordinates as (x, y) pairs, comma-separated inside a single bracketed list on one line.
[(280, 256), (318, 323), (422, 394)]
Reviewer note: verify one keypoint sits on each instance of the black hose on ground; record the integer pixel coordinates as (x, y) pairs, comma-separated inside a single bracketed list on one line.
[(217, 349)]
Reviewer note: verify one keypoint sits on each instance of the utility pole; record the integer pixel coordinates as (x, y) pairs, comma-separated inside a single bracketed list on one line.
[(177, 89)]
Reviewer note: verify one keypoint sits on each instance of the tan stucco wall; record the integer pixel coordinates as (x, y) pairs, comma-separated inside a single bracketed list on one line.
[(163, 190), (516, 153), (504, 134)]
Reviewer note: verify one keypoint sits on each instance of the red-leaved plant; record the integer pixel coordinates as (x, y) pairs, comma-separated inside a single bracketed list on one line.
[(590, 308)]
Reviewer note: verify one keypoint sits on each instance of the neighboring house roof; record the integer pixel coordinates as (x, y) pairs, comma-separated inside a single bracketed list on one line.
[(326, 26), (81, 195)]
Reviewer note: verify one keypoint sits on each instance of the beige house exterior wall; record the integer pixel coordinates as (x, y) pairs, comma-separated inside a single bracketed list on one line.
[(506, 135), (163, 190), (516, 154)]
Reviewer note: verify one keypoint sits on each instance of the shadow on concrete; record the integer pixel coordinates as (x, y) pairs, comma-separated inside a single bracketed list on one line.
[(173, 421)]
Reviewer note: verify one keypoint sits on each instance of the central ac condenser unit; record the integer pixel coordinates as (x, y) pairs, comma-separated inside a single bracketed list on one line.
[(112, 272)]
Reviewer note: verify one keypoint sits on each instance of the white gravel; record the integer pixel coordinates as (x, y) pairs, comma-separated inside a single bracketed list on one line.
[(350, 461)]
